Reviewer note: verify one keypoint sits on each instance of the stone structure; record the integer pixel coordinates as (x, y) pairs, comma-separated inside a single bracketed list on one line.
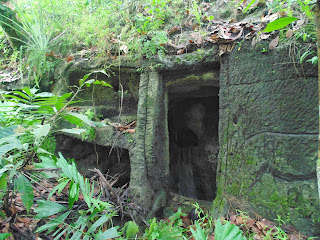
[(238, 130)]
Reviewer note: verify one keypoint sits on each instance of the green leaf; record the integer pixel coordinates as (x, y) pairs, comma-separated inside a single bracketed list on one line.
[(41, 150), (73, 120), (48, 208), (103, 83), (46, 162), (82, 118), (110, 233), (14, 168), (4, 236), (61, 101), (227, 231), (313, 60), (7, 167), (73, 193), (8, 147), (131, 229), (25, 189), (199, 233), (3, 185), (84, 79), (53, 223), (304, 37), (41, 131), (77, 131), (249, 5), (59, 187), (279, 23), (27, 91), (98, 223), (7, 131)]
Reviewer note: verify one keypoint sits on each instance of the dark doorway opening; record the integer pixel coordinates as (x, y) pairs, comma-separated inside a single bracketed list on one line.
[(89, 156), (193, 132)]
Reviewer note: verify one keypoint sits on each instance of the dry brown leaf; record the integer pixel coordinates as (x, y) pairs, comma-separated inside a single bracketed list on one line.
[(254, 42), (173, 30), (130, 131), (258, 237), (274, 43), (213, 38), (180, 51), (289, 33), (295, 237), (250, 223), (288, 228), (222, 49), (24, 220), (255, 229), (124, 48), (33, 224), (239, 220), (269, 18), (233, 219), (230, 47), (264, 36), (260, 225), (69, 58), (299, 24), (199, 39), (268, 223)]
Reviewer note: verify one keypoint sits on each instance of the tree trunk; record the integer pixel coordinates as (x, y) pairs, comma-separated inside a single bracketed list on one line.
[(317, 19)]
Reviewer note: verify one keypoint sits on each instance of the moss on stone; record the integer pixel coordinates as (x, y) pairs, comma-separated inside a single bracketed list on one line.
[(208, 76)]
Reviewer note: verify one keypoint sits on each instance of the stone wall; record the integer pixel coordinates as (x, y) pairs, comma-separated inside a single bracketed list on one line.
[(267, 130), (269, 137)]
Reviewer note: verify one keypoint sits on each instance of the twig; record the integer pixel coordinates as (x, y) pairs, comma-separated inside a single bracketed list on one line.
[(27, 176), (40, 169), (104, 180)]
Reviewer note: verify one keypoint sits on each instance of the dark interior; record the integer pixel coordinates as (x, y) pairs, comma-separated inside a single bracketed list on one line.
[(89, 156), (193, 133)]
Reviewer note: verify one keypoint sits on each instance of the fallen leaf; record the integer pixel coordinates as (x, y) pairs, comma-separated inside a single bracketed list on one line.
[(233, 219), (295, 237), (255, 229), (213, 38), (239, 220), (288, 228), (230, 47), (222, 49), (274, 43), (173, 30), (260, 225), (299, 24), (254, 42), (69, 59), (258, 237), (180, 51), (130, 131), (124, 48), (289, 33), (264, 36), (268, 223)]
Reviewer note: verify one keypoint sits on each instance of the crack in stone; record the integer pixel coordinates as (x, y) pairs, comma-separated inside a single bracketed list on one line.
[(284, 134), (291, 177)]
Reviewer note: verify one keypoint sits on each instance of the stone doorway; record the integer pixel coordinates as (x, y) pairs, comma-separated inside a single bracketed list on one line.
[(193, 133)]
